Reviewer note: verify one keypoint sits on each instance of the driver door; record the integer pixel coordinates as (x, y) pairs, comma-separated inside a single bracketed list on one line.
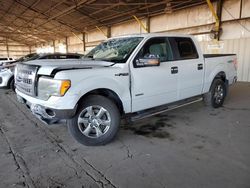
[(156, 85)]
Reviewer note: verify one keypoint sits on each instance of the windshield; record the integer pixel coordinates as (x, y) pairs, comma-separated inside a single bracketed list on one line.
[(115, 50)]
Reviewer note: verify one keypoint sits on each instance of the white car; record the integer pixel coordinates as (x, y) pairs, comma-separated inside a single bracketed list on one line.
[(6, 59), (132, 76)]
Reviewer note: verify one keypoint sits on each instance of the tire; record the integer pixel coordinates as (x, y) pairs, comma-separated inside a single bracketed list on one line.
[(96, 122), (216, 96), (12, 85)]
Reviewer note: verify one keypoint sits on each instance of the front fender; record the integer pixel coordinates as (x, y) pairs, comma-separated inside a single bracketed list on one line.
[(120, 86)]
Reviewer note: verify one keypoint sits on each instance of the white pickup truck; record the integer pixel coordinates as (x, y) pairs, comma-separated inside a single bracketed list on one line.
[(131, 76)]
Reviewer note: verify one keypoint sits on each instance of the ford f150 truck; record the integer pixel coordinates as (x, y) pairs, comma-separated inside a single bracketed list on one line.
[(131, 76)]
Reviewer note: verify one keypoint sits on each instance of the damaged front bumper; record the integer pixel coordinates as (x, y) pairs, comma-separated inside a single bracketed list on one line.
[(48, 115)]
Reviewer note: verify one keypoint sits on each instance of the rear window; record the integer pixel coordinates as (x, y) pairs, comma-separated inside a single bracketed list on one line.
[(184, 48)]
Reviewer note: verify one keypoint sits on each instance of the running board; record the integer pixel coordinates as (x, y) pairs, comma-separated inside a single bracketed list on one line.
[(158, 110)]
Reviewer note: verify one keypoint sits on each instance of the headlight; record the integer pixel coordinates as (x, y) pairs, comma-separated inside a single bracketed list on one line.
[(50, 87)]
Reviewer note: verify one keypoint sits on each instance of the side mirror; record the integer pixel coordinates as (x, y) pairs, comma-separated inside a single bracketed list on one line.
[(147, 62)]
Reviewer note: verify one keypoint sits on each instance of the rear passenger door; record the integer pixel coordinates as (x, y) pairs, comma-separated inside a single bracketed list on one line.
[(190, 67)]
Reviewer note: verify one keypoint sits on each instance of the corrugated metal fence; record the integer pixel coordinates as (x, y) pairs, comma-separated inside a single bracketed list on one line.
[(241, 47)]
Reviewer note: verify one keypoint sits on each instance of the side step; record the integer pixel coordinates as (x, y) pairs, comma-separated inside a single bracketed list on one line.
[(158, 110)]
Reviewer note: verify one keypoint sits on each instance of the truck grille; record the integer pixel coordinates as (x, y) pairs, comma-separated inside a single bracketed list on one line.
[(25, 78)]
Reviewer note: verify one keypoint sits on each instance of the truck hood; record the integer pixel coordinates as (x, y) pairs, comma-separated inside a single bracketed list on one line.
[(47, 67)]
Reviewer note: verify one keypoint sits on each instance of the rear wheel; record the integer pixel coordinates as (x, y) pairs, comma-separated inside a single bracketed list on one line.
[(96, 121), (216, 96)]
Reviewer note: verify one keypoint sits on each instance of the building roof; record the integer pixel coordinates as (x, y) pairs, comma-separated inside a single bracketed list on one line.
[(36, 21)]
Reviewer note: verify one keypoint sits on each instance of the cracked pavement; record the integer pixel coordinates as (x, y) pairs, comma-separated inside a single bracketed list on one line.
[(193, 146)]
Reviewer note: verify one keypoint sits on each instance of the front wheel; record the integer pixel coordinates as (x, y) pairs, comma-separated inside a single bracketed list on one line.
[(216, 96), (96, 121)]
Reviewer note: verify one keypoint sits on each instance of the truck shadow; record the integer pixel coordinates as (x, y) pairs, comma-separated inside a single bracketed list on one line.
[(155, 127)]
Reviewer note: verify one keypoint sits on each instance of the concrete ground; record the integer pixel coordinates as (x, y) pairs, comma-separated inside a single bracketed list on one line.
[(192, 147)]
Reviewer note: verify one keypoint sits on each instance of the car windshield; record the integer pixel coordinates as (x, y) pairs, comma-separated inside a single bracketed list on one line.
[(115, 50)]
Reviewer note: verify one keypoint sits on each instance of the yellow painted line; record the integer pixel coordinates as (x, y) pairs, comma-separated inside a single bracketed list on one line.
[(140, 23), (101, 31)]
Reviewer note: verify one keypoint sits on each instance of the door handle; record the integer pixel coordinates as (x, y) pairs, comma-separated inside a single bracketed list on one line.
[(200, 66), (174, 70)]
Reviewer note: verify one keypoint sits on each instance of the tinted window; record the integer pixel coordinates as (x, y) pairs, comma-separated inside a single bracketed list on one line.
[(158, 48), (184, 48), (3, 59)]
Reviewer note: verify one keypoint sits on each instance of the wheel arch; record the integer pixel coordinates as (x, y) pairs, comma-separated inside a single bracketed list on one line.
[(220, 75), (106, 93)]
